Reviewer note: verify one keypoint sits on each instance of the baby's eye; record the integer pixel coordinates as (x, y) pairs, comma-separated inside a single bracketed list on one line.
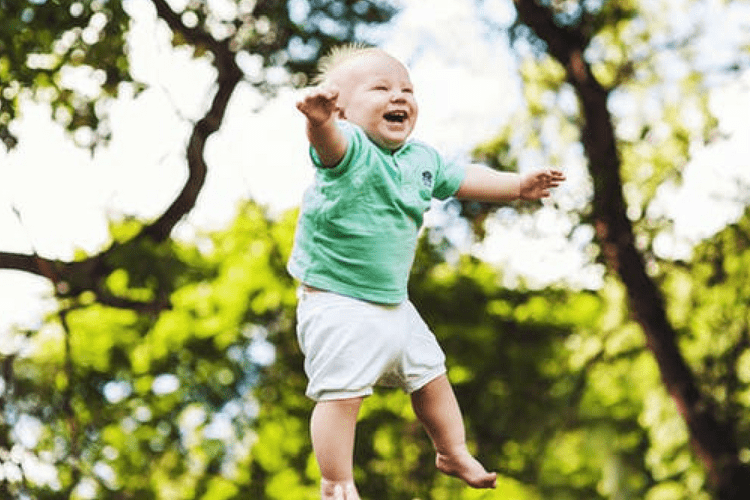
[(380, 87), (407, 90)]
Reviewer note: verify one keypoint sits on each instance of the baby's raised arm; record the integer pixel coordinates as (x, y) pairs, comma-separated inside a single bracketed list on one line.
[(319, 106), (485, 184)]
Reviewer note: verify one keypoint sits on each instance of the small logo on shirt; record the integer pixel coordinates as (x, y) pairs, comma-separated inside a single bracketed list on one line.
[(427, 178)]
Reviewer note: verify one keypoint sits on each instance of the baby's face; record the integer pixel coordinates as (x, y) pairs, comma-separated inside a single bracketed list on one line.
[(377, 94)]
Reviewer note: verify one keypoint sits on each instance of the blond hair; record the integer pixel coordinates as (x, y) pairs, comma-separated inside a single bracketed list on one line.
[(339, 55)]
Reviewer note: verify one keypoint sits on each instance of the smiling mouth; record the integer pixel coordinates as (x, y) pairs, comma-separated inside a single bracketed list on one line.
[(396, 116)]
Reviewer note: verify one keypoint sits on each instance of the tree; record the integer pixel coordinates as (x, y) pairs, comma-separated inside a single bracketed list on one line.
[(590, 49), (114, 290), (92, 33), (180, 399)]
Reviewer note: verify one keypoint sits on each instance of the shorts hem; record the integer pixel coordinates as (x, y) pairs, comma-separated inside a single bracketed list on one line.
[(426, 379), (334, 395)]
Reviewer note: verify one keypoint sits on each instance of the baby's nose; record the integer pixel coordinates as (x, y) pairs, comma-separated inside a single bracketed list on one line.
[(398, 95)]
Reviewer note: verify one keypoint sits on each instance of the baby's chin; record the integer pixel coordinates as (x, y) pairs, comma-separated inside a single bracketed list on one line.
[(387, 143), (390, 145)]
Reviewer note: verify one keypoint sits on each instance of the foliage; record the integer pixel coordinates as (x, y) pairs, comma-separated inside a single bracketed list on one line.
[(622, 90), (559, 393), (156, 406), (205, 398), (46, 44), (709, 304)]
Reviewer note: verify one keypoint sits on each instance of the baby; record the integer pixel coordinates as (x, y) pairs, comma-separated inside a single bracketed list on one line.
[(354, 247)]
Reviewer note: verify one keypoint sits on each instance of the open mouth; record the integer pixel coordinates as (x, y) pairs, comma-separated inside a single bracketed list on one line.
[(396, 116)]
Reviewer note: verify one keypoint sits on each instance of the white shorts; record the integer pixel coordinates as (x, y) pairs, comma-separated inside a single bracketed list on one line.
[(351, 345)]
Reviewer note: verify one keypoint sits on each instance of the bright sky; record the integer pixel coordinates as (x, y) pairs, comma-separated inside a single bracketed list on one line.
[(466, 91)]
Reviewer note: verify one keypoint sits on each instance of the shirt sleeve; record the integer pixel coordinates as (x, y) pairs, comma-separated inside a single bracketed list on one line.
[(353, 143), (450, 175)]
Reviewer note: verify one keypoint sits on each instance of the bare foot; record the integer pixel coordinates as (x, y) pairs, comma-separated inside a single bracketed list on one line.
[(338, 490), (466, 468)]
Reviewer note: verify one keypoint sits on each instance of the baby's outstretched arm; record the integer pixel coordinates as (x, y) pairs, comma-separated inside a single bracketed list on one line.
[(319, 106), (485, 184)]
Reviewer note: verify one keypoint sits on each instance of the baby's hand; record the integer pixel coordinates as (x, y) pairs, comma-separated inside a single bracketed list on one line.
[(537, 184), (319, 104)]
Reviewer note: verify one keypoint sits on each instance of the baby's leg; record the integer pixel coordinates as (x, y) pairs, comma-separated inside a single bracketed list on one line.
[(332, 428), (437, 409)]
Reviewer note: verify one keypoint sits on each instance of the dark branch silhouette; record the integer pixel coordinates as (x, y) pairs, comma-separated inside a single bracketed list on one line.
[(72, 278), (713, 441)]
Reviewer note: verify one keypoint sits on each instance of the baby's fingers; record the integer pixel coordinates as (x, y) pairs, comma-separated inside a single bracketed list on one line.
[(329, 94), (318, 103), (553, 177), (321, 95), (557, 175)]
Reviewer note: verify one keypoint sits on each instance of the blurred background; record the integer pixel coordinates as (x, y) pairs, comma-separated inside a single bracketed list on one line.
[(151, 166)]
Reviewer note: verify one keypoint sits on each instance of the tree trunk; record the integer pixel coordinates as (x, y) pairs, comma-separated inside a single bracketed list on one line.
[(713, 441)]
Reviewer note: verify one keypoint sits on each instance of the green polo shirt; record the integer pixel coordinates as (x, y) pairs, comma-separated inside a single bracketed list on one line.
[(358, 224)]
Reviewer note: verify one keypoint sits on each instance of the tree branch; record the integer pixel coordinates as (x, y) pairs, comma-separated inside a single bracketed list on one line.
[(713, 441), (71, 278), (229, 74), (20, 262)]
